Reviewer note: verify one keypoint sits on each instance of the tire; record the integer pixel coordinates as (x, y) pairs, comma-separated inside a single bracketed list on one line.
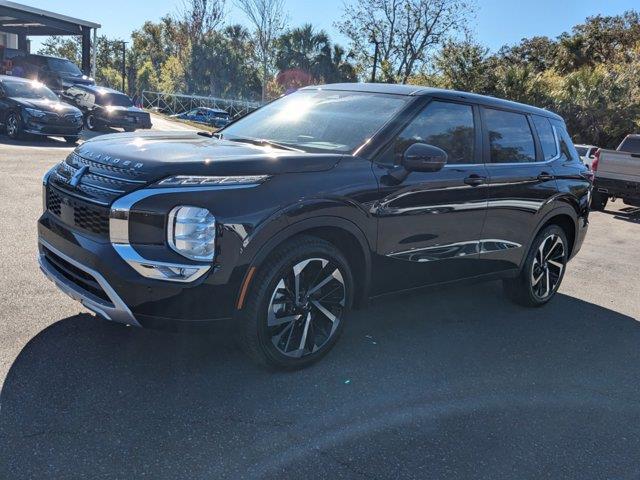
[(543, 269), (90, 122), (598, 201), (71, 140), (129, 129), (276, 330), (14, 126)]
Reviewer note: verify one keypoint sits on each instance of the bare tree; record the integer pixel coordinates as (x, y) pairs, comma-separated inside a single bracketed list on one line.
[(201, 17), (268, 19), (406, 31)]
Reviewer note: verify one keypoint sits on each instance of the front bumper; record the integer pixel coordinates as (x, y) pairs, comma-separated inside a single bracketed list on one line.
[(34, 127), (90, 270), (53, 262)]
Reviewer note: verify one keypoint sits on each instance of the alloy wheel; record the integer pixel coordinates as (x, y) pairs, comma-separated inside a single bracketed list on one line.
[(306, 307), (548, 266), (12, 126)]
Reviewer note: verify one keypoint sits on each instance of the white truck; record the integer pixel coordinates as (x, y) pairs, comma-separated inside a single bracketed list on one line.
[(617, 174)]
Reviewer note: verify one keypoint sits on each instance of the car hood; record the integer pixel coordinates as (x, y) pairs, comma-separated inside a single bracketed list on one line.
[(77, 79), (155, 155), (46, 105)]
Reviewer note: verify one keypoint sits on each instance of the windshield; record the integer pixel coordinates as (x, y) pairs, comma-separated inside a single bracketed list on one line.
[(114, 100), (30, 90), (582, 151), (319, 120), (64, 66)]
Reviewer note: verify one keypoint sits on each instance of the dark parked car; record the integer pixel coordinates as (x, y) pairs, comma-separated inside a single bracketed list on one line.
[(57, 73), (208, 116), (107, 108), (311, 205), (29, 107)]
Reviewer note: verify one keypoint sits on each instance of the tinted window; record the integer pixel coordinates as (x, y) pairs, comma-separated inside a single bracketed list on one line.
[(630, 144), (567, 150), (319, 120), (114, 100), (445, 125), (582, 151), (63, 66), (546, 137), (510, 137)]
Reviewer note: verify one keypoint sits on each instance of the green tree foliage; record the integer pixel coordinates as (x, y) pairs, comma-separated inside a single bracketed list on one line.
[(590, 76)]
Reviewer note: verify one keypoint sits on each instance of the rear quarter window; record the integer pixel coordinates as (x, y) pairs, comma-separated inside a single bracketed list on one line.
[(567, 151), (546, 136)]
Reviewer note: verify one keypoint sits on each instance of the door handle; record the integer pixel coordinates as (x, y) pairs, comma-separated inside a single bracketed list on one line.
[(545, 177), (474, 180)]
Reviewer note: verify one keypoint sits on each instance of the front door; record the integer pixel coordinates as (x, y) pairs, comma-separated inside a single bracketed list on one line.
[(429, 223)]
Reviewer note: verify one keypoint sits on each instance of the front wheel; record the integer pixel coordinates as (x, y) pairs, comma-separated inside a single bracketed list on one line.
[(296, 305), (543, 269), (91, 123), (14, 126), (71, 140)]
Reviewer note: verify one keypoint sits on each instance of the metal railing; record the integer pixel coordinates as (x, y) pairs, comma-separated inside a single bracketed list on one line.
[(172, 103)]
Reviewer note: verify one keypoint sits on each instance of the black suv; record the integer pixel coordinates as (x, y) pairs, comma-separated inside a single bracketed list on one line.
[(107, 108), (57, 73), (313, 204)]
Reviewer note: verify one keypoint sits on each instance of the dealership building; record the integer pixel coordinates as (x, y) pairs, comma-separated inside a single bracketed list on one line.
[(19, 22)]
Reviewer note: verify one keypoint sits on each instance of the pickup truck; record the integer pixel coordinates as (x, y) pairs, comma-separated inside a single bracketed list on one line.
[(617, 174)]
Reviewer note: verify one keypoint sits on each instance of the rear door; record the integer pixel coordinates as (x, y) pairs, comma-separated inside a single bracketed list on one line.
[(519, 150), (429, 223)]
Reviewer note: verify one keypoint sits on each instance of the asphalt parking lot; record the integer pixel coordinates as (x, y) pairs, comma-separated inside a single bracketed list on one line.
[(450, 383)]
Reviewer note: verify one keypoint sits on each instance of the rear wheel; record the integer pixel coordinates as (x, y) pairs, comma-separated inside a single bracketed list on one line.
[(598, 200), (543, 270), (295, 309), (14, 126), (129, 129), (71, 140)]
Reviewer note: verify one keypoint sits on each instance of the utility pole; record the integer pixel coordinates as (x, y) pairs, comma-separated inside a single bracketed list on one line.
[(375, 59), (124, 64)]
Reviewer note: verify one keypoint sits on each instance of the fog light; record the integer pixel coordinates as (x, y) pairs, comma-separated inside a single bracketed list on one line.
[(192, 232)]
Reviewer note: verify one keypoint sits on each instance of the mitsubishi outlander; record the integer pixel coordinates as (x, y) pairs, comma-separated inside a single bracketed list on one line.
[(287, 218)]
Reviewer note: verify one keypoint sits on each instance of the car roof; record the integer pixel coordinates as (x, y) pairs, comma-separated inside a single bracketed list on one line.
[(35, 55), (17, 79), (584, 145), (217, 110), (417, 90), (98, 89)]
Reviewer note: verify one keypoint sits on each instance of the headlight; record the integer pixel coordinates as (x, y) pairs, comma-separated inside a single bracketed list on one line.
[(192, 232), (191, 180), (35, 113)]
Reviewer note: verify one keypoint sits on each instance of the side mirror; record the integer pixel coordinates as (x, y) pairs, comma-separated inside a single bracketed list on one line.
[(422, 157)]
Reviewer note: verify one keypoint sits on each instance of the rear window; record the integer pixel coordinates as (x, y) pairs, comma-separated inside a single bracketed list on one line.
[(630, 144), (546, 137), (510, 137), (114, 100), (582, 151)]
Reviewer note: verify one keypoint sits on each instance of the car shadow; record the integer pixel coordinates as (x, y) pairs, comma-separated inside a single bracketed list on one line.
[(628, 214), (449, 383)]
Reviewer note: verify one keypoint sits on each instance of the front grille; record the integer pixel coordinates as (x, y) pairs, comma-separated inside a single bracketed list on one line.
[(75, 275), (101, 183), (78, 213)]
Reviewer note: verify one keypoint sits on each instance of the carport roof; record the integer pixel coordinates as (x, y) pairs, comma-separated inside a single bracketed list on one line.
[(26, 20)]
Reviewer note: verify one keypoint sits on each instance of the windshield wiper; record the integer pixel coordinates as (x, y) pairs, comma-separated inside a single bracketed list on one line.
[(263, 143)]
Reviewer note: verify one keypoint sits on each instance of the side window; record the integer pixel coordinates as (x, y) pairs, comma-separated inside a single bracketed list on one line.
[(448, 126), (567, 151), (510, 137), (546, 136)]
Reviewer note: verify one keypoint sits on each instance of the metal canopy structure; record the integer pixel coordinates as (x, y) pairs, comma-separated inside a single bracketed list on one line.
[(25, 21)]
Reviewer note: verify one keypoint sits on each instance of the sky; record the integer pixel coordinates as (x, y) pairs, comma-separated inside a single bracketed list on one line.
[(496, 23)]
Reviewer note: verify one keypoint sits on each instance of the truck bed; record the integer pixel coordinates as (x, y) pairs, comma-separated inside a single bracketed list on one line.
[(615, 165)]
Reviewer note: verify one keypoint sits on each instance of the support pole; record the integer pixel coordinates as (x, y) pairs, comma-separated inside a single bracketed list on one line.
[(94, 52), (86, 50)]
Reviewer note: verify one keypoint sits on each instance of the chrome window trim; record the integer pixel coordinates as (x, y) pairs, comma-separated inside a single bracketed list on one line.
[(119, 233)]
